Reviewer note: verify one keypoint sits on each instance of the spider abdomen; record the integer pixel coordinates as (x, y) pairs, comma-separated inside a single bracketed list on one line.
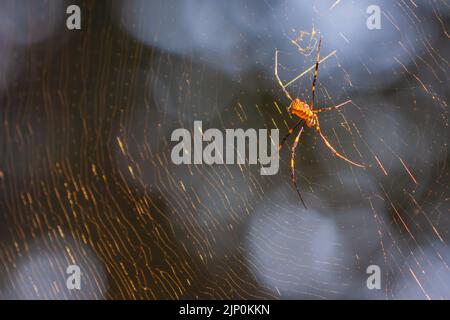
[(303, 111)]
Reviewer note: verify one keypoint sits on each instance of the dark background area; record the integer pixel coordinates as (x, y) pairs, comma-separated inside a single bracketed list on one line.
[(86, 176)]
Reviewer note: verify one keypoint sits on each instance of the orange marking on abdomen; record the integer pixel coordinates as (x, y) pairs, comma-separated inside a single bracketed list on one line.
[(303, 111)]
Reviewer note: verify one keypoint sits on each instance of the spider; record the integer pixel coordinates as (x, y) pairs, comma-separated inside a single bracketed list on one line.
[(308, 116)]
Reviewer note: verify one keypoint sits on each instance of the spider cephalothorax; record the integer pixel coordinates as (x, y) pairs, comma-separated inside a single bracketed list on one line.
[(307, 115)]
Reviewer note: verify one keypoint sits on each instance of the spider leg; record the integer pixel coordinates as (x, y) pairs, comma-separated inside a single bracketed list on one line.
[(337, 154), (316, 70), (332, 108), (294, 146), (291, 130), (278, 78)]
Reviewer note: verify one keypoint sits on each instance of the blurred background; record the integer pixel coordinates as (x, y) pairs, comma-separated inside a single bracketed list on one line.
[(86, 176)]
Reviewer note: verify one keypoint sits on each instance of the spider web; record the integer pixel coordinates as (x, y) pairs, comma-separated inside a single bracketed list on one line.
[(86, 175)]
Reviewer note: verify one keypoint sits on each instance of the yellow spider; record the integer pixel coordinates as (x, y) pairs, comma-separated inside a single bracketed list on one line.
[(308, 116)]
